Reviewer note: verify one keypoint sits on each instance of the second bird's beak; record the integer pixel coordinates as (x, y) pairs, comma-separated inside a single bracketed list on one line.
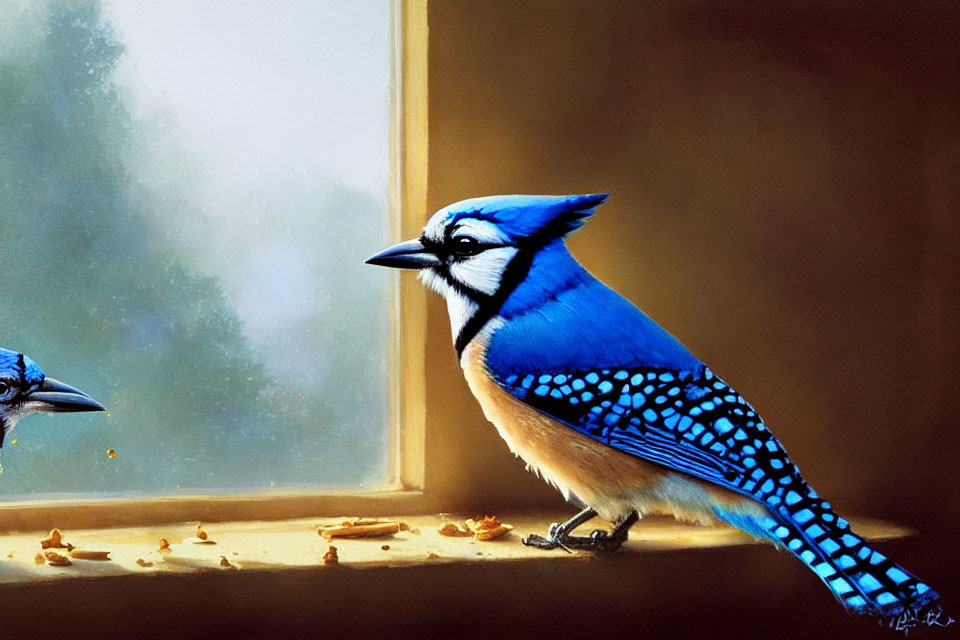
[(406, 255), (55, 397)]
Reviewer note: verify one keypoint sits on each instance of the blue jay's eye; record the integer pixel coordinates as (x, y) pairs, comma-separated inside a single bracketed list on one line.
[(4, 387), (466, 246)]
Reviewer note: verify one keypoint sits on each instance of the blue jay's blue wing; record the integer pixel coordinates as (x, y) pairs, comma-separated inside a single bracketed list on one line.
[(691, 422)]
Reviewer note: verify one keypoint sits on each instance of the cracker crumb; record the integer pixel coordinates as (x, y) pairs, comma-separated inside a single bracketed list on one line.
[(39, 559), (384, 547), (89, 554), (358, 528), (431, 555), (164, 546), (143, 563), (224, 562), (201, 533)]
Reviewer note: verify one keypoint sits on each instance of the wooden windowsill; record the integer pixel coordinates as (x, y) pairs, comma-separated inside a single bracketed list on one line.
[(285, 544), (671, 580)]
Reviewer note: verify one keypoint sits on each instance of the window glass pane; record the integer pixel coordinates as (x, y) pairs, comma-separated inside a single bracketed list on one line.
[(187, 193)]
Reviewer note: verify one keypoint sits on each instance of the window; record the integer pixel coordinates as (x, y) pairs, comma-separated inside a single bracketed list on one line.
[(187, 194)]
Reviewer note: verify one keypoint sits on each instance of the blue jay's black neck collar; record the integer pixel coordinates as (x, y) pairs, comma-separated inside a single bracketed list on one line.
[(515, 273), (489, 307)]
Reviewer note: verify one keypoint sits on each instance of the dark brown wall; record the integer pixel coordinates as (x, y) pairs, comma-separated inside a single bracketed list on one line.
[(784, 198)]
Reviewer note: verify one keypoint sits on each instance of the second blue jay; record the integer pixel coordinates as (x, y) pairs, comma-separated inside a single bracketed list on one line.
[(25, 389), (615, 412)]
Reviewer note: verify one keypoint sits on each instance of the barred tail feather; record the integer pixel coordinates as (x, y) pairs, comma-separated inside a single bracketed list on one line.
[(863, 580)]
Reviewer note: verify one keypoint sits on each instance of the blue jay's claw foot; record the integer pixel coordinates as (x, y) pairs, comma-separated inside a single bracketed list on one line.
[(541, 542), (601, 541)]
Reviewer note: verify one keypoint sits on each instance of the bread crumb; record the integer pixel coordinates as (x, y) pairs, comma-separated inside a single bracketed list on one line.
[(164, 546), (39, 559), (487, 527), (224, 562), (201, 533), (384, 547), (431, 555), (143, 563), (54, 540)]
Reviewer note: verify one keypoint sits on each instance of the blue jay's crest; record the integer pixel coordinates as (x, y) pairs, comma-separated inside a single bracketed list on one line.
[(18, 366), (519, 217)]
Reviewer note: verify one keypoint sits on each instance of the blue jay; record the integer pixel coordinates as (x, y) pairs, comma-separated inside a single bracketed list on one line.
[(24, 389), (615, 412)]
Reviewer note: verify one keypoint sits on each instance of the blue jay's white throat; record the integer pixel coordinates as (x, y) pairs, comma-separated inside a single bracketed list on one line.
[(462, 259), (481, 273), (468, 274)]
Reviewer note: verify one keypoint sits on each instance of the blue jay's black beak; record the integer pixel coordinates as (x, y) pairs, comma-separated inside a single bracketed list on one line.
[(406, 255), (55, 397)]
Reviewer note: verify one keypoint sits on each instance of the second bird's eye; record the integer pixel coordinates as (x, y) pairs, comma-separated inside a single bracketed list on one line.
[(465, 246), (4, 387)]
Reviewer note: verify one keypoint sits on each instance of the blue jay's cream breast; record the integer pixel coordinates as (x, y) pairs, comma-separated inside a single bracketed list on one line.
[(610, 481)]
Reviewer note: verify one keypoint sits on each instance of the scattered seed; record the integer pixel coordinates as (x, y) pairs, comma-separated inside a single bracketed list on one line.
[(331, 557)]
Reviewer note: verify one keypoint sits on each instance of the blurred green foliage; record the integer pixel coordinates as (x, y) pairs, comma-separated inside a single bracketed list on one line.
[(101, 300)]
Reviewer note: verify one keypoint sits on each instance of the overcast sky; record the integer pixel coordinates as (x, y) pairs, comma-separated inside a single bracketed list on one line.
[(266, 92), (267, 102)]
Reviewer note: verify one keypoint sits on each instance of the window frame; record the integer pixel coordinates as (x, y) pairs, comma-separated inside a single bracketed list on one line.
[(404, 490)]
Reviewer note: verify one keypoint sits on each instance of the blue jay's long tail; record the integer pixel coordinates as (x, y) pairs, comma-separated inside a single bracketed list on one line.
[(863, 580)]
